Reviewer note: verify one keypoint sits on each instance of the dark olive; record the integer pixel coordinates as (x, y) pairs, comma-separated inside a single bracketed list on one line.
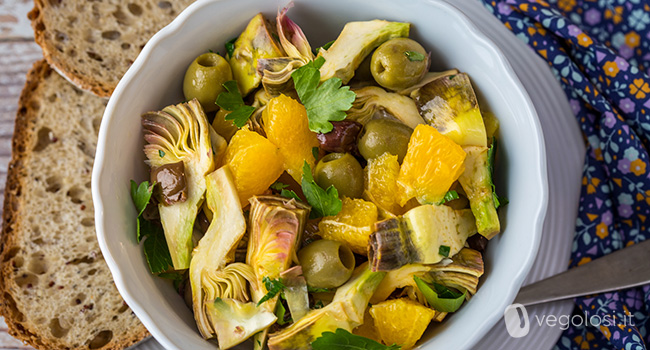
[(203, 79), (384, 135), (399, 63), (342, 138), (326, 264), (477, 242), (342, 171), (171, 186)]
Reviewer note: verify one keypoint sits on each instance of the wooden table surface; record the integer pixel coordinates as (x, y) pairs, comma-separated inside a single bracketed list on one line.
[(17, 54)]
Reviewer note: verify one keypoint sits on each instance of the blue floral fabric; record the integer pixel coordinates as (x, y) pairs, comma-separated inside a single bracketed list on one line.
[(599, 50)]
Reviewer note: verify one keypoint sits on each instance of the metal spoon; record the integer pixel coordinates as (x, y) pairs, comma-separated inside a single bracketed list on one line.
[(625, 268)]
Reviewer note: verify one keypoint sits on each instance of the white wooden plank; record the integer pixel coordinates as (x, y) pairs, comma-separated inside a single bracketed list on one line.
[(13, 19)]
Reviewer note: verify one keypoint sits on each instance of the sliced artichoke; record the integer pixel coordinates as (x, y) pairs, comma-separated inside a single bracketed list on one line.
[(296, 292), (418, 235), (219, 292), (462, 273), (428, 77), (399, 278), (356, 41), (345, 311), (477, 184), (372, 98), (449, 104), (255, 42), (276, 224), (276, 72), (180, 133)]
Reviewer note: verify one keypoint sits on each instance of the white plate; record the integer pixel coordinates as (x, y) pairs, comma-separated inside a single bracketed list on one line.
[(565, 155)]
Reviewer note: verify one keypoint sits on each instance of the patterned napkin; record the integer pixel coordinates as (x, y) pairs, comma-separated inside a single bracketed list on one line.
[(599, 50)]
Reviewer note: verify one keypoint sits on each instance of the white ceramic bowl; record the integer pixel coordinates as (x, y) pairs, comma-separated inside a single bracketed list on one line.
[(155, 80)]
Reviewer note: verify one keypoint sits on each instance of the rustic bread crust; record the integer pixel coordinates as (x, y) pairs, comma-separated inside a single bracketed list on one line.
[(31, 276), (92, 44)]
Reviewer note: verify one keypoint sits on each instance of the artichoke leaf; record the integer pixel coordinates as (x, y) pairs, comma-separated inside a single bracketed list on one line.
[(476, 181), (399, 278), (255, 42), (296, 292), (427, 78), (462, 273), (276, 224), (346, 311), (417, 236), (276, 72), (372, 98), (449, 104), (220, 292), (356, 41), (180, 133)]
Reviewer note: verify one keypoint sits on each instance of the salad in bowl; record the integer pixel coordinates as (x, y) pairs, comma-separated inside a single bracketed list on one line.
[(302, 197), (150, 101)]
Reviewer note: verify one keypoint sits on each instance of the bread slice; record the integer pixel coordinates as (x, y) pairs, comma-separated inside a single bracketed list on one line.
[(93, 43), (56, 290)]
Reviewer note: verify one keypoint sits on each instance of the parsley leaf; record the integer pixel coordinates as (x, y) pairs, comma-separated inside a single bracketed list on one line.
[(161, 153), (444, 250), (323, 202), (290, 194), (449, 196), (278, 186), (324, 102), (230, 47), (141, 195), (498, 201), (324, 47), (319, 304), (273, 287), (344, 340), (315, 151), (414, 56), (440, 297), (231, 100), (155, 248)]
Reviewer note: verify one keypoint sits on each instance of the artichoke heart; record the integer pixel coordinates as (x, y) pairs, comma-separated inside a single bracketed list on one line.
[(180, 133), (220, 293), (356, 41), (417, 236), (449, 104), (255, 42), (345, 311), (371, 98), (476, 181), (462, 273), (276, 224), (276, 72)]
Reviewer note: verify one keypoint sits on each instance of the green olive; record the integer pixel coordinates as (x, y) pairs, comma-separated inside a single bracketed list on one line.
[(326, 264), (399, 63), (223, 127), (384, 135), (203, 79), (342, 171)]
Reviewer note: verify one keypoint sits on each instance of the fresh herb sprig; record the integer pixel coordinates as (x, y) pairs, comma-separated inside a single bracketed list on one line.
[(414, 56), (155, 246), (324, 102), (273, 287), (498, 201), (440, 297), (231, 100), (323, 202), (344, 340)]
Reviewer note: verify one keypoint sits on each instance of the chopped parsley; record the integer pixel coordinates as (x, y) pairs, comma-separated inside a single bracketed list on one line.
[(444, 250), (230, 47), (414, 56)]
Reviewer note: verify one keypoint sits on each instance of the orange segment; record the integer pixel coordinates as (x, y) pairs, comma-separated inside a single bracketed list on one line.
[(431, 165), (352, 225), (380, 177), (401, 321), (255, 163), (287, 126)]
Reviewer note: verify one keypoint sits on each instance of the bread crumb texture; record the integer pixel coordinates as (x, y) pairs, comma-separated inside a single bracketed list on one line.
[(57, 292), (93, 43)]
